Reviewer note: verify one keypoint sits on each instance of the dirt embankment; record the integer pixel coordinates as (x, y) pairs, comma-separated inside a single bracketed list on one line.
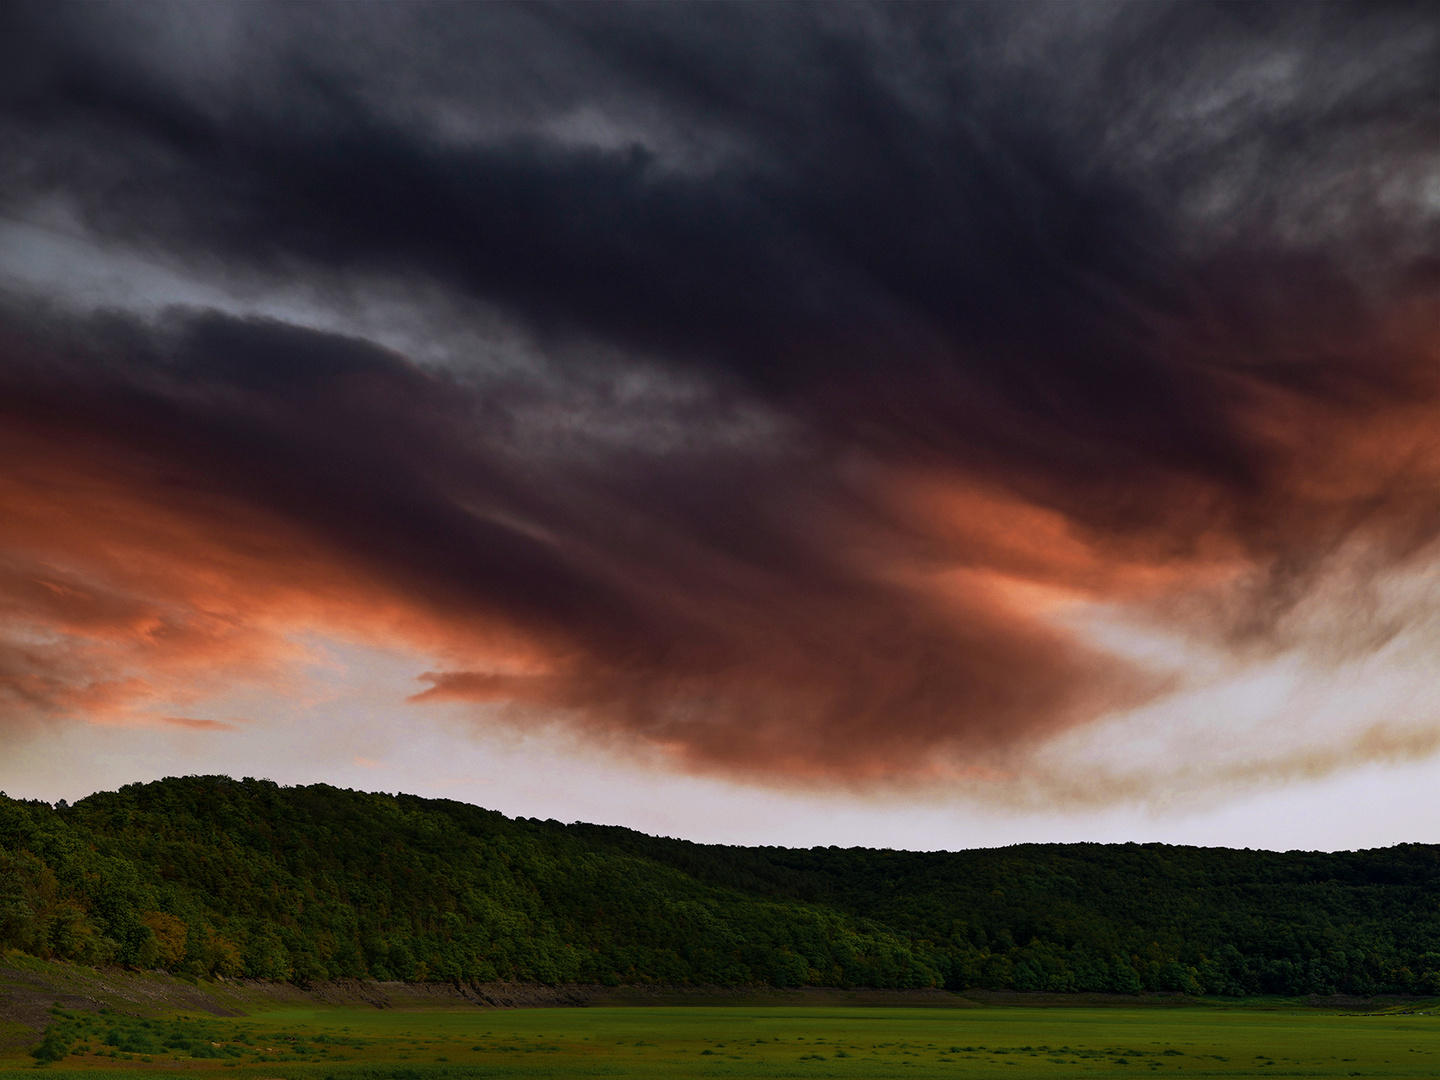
[(29, 987)]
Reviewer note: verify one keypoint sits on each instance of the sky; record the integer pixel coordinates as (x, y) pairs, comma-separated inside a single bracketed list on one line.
[(925, 426)]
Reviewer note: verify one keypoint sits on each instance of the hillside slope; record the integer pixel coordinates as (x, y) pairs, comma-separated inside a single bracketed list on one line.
[(245, 878), (1056, 916), (209, 875)]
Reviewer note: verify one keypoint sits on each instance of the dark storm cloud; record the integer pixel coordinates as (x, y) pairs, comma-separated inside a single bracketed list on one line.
[(1056, 293), (676, 602)]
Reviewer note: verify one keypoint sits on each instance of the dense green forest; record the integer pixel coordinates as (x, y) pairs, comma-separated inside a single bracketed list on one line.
[(214, 876)]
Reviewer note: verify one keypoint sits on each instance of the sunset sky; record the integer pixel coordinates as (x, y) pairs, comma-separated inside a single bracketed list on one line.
[(922, 426)]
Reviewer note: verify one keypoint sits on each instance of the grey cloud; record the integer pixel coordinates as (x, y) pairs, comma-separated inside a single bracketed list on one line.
[(1114, 263)]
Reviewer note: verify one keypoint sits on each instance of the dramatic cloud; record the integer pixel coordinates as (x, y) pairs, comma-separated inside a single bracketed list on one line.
[(818, 394)]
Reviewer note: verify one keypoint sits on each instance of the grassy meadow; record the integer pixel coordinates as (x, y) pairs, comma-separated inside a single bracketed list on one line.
[(740, 1041)]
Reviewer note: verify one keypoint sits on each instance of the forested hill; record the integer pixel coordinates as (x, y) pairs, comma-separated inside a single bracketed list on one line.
[(209, 875)]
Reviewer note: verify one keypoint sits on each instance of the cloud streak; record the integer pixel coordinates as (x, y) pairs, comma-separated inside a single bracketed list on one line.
[(859, 349)]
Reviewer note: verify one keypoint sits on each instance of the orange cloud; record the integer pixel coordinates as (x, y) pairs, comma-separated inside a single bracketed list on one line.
[(767, 618)]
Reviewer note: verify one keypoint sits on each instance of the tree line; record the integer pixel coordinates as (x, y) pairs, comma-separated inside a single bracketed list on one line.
[(207, 876)]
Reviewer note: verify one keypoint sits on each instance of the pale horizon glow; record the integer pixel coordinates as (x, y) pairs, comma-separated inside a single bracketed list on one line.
[(1368, 807)]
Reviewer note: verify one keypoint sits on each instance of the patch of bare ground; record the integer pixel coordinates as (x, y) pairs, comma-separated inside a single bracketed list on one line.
[(29, 987), (752, 995), (1041, 997)]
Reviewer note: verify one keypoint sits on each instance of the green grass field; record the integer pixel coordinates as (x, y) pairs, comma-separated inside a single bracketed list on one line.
[(740, 1041)]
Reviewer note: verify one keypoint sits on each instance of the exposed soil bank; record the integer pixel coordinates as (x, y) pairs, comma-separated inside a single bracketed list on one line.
[(29, 987)]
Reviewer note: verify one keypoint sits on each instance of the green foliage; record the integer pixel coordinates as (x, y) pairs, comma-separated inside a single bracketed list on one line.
[(214, 876), (664, 1042), (53, 1046), (1115, 917), (108, 1034), (210, 875)]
